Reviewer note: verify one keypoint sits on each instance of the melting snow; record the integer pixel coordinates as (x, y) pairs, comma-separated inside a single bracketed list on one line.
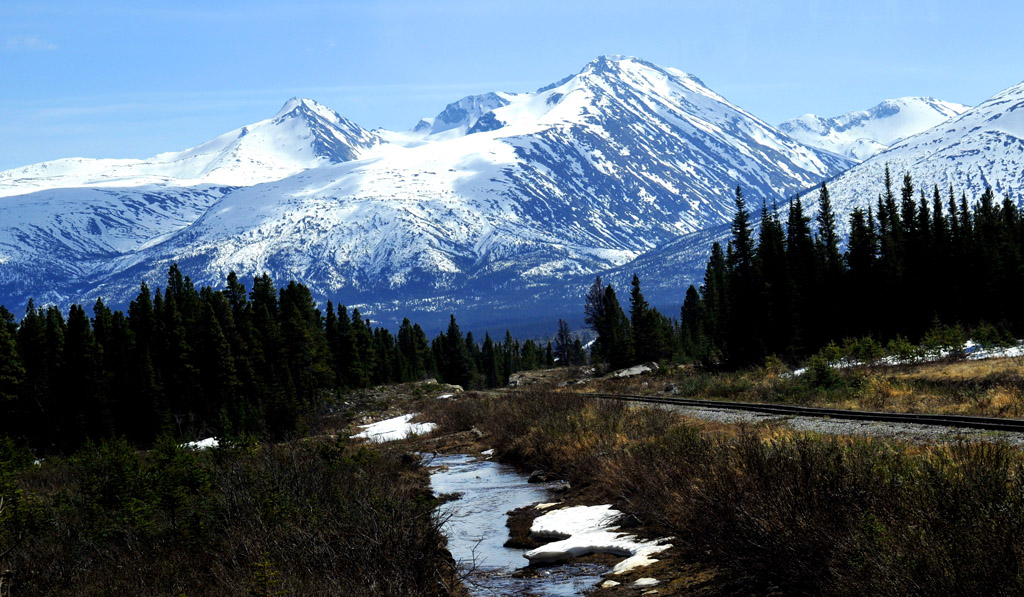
[(394, 429), (971, 351), (203, 444), (635, 370), (582, 530)]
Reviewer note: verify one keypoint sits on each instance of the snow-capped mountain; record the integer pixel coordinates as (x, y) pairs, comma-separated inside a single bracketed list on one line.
[(500, 192), (303, 134), (462, 116), (982, 147), (862, 134)]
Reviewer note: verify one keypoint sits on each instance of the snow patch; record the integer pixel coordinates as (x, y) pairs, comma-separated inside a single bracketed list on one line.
[(971, 351), (636, 370), (393, 429), (582, 530), (202, 444)]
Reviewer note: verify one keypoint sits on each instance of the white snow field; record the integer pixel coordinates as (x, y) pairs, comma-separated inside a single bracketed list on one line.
[(202, 444), (865, 133), (582, 530), (394, 429)]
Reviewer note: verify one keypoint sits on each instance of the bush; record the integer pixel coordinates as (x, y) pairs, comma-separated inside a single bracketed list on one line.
[(903, 351), (945, 338), (864, 350), (821, 372), (300, 518)]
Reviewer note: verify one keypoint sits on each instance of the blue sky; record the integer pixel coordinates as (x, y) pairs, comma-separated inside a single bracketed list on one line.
[(112, 79)]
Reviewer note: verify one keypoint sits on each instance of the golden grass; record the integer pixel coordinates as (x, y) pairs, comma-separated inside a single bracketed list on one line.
[(992, 387)]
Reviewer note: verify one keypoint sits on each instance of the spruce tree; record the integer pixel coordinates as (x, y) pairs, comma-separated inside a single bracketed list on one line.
[(616, 336)]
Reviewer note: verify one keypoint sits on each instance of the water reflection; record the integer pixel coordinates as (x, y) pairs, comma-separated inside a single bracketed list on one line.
[(476, 529)]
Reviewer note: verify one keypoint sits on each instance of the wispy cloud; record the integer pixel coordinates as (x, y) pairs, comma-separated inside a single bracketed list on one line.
[(29, 43)]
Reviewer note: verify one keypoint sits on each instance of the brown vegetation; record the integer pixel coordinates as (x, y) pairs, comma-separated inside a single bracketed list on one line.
[(992, 387), (299, 518), (782, 511)]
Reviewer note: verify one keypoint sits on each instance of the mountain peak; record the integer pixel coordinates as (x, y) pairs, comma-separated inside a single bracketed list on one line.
[(464, 113), (298, 104)]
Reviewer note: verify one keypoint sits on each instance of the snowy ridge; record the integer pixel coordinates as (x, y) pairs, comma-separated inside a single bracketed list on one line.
[(303, 134), (503, 196), (982, 147), (462, 116), (862, 134)]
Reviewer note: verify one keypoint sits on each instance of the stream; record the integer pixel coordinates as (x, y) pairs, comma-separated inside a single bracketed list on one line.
[(476, 529)]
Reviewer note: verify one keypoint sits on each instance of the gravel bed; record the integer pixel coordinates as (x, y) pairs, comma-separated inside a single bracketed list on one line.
[(901, 431)]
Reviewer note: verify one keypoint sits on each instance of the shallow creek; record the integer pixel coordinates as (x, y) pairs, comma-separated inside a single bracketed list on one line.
[(476, 528)]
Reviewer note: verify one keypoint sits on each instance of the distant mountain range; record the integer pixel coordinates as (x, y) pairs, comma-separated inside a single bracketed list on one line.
[(866, 133), (501, 208), (982, 147)]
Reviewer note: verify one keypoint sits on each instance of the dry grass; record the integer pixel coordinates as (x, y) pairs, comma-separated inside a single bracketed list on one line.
[(992, 387)]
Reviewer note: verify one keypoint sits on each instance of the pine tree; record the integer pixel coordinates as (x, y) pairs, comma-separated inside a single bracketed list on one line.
[(457, 365), (714, 307), (563, 344), (12, 375), (776, 296), (489, 361), (593, 313), (691, 334), (616, 336), (828, 236), (801, 264)]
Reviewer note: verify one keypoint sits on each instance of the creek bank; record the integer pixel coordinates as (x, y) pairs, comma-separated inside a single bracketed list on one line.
[(481, 493)]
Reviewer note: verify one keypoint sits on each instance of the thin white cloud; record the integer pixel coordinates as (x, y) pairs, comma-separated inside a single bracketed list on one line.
[(29, 43)]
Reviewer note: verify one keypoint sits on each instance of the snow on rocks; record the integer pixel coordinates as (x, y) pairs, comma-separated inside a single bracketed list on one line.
[(393, 429), (636, 370), (643, 583), (582, 530), (202, 444)]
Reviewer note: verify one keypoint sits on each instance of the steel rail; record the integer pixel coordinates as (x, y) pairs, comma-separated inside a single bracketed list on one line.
[(985, 423)]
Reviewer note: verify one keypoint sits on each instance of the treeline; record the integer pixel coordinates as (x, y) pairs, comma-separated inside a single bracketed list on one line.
[(913, 263), (195, 362)]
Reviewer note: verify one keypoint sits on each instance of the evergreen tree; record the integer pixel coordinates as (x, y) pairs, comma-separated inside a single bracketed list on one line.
[(714, 309), (456, 362), (489, 362), (828, 236), (564, 345), (615, 333), (801, 263), (692, 335), (12, 375), (776, 296), (593, 313)]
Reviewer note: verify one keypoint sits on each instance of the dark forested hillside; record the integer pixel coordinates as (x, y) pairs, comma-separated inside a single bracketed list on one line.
[(918, 261), (195, 362)]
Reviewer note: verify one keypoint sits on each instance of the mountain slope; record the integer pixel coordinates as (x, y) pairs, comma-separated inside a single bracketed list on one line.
[(982, 147), (502, 196), (862, 134), (303, 134)]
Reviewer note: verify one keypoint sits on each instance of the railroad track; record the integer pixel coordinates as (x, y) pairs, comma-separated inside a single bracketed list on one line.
[(986, 423)]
